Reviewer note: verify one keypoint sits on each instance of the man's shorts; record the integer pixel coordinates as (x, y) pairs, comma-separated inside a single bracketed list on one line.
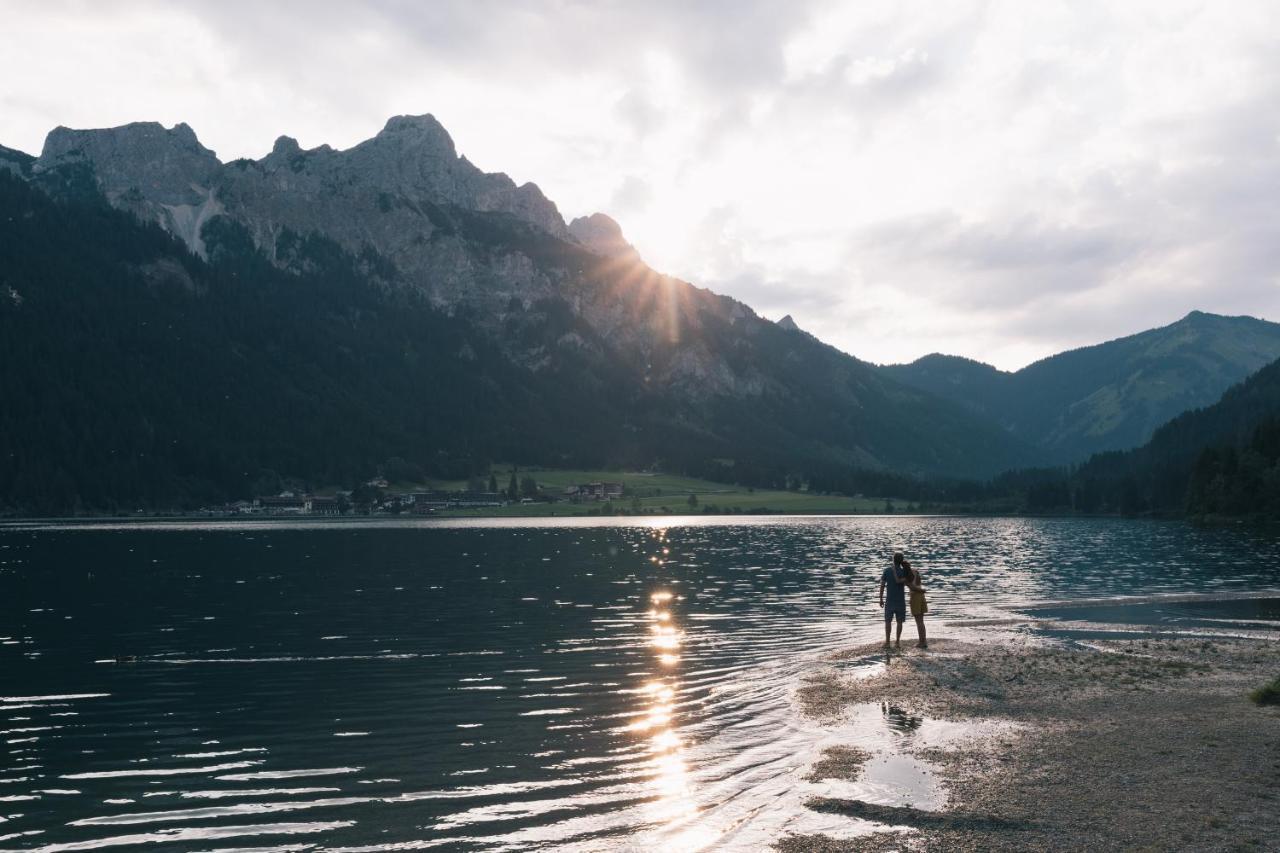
[(892, 610)]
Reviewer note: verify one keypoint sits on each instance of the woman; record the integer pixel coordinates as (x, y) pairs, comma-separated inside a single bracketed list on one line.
[(919, 607)]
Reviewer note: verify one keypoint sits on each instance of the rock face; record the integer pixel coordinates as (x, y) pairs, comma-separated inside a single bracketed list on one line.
[(378, 194), (15, 162), (407, 195), (395, 194), (165, 167), (159, 174), (602, 235)]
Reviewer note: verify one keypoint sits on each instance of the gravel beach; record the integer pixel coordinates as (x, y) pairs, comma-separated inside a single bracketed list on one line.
[(1111, 744)]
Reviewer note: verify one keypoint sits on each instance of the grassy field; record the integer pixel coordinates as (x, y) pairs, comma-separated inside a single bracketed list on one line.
[(555, 481), (666, 494)]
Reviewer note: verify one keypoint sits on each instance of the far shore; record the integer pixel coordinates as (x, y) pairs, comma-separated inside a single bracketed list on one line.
[(571, 512), (1105, 743)]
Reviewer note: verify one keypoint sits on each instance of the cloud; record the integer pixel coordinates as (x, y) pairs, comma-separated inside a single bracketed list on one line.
[(994, 179), (636, 110), (633, 195)]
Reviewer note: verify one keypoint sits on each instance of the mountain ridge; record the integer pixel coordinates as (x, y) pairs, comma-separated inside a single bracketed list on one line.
[(630, 367), (414, 213), (1107, 396)]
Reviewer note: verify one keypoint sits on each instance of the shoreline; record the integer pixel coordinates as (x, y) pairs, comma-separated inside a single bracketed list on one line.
[(1115, 744), (622, 517), (524, 514)]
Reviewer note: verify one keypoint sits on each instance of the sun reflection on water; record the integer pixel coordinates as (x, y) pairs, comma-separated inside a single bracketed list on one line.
[(674, 804)]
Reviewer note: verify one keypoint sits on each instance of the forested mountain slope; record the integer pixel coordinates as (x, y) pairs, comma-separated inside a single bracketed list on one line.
[(1222, 459), (1111, 396)]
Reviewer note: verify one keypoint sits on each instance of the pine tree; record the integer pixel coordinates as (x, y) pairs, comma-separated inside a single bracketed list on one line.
[(529, 487)]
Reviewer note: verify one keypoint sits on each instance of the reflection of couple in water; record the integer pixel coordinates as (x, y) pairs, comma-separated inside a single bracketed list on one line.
[(899, 579)]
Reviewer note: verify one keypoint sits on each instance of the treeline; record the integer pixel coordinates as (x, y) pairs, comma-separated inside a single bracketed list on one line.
[(1217, 461), (1230, 481)]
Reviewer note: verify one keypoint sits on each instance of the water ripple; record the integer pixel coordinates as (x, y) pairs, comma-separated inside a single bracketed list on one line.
[(493, 686)]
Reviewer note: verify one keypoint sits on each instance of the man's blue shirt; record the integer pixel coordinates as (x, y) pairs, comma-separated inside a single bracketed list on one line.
[(895, 592)]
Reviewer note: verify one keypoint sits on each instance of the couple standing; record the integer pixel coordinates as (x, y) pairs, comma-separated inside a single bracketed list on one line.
[(899, 578)]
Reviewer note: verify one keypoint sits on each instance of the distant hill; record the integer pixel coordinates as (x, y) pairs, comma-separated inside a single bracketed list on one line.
[(1218, 459), (1111, 396), (1223, 459), (174, 330)]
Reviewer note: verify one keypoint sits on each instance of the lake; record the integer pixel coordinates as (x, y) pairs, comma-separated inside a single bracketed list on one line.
[(489, 685)]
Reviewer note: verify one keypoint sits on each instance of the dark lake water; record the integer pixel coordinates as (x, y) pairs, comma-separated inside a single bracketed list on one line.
[(482, 685)]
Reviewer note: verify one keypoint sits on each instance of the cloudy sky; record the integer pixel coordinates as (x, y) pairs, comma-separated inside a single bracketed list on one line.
[(991, 179)]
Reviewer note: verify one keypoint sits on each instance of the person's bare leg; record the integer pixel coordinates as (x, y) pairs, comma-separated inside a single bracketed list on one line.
[(924, 643), (897, 640), (886, 631)]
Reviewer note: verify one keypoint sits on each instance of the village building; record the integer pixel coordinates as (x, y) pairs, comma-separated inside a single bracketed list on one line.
[(291, 504), (444, 500), (286, 504), (323, 506), (594, 491)]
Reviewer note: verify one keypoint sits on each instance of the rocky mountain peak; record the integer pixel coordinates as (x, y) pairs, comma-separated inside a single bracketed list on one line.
[(788, 323), (166, 166), (285, 146), (414, 156), (373, 194), (183, 132), (422, 131), (603, 236)]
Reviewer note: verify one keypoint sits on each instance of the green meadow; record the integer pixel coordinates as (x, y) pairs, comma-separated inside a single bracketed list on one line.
[(648, 493)]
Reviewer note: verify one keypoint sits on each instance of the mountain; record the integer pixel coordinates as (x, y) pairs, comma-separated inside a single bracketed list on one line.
[(16, 162), (178, 328), (1106, 397), (603, 236), (1233, 440), (1222, 459), (788, 323)]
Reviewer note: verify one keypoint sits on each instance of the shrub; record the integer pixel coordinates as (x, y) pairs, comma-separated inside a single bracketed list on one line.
[(1268, 694)]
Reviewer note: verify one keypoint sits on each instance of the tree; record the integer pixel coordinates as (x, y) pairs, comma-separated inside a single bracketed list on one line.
[(528, 486), (493, 482), (397, 470), (513, 488), (365, 496), (693, 501), (266, 483)]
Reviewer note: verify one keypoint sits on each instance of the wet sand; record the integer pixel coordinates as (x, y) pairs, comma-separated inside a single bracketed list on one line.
[(1108, 744)]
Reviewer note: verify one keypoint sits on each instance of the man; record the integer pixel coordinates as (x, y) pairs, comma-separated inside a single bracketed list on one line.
[(895, 580)]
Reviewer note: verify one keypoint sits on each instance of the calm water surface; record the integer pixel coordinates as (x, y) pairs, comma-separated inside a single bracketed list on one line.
[(481, 685)]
